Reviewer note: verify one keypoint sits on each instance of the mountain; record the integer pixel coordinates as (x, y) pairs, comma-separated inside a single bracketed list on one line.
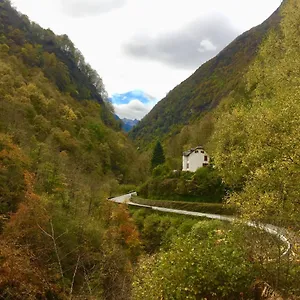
[(256, 139), (129, 124), (62, 154), (203, 90), (126, 124), (61, 62)]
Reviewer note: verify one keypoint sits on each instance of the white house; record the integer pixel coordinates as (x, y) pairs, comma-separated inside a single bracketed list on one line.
[(194, 159)]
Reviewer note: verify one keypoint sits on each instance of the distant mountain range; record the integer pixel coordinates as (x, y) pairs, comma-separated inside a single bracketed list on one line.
[(127, 124)]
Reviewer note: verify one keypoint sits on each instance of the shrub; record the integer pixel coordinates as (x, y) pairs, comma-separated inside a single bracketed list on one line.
[(160, 170), (196, 267)]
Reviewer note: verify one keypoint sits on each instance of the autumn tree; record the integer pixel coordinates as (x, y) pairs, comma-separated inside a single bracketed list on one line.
[(182, 271), (59, 159), (256, 142)]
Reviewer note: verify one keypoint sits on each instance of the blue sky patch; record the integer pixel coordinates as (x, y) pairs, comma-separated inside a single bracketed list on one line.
[(133, 104), (132, 95)]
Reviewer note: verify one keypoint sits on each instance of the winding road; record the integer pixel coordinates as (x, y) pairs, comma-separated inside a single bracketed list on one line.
[(280, 233)]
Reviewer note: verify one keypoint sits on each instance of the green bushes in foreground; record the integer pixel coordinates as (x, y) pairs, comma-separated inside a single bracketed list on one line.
[(157, 230), (205, 185), (213, 260), (195, 269)]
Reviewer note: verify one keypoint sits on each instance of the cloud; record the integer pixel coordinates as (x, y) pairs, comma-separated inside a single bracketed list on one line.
[(185, 48), (135, 109), (136, 94), (81, 8), (206, 45), (133, 105)]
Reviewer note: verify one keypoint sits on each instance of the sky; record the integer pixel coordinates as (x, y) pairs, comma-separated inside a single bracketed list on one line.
[(142, 49)]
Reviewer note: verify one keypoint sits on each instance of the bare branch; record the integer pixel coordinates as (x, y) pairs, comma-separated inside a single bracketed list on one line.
[(87, 279), (74, 275), (57, 255), (52, 236), (45, 232)]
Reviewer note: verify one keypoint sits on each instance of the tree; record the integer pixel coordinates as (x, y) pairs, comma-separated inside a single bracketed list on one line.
[(256, 143), (158, 156), (58, 161), (181, 271)]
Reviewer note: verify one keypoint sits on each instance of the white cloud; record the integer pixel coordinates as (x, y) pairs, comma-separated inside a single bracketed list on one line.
[(180, 48), (135, 109), (80, 8), (206, 45)]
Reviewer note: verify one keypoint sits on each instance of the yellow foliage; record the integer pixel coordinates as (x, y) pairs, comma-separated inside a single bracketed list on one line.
[(68, 113), (257, 142)]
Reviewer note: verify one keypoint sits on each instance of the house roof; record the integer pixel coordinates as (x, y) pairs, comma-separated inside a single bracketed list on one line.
[(189, 152)]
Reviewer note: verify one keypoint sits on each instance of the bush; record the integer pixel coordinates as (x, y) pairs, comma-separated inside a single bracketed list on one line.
[(208, 182), (160, 170), (196, 267), (159, 229), (204, 183)]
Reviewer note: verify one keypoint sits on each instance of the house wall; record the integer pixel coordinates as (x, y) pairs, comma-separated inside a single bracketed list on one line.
[(194, 161), (184, 163)]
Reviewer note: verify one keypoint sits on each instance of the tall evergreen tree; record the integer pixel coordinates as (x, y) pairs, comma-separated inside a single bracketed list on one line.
[(158, 156)]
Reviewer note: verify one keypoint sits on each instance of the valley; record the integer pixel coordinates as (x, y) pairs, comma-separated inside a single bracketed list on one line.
[(226, 227)]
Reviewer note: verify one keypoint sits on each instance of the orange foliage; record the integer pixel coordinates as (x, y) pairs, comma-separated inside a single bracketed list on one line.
[(126, 228), (23, 224), (11, 151), (13, 163), (29, 180), (130, 234), (20, 275)]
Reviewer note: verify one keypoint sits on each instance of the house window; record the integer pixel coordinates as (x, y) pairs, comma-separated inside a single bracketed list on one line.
[(188, 165), (205, 158), (202, 151), (196, 151), (205, 164)]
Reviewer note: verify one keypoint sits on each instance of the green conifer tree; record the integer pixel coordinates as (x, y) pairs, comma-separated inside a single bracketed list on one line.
[(158, 156)]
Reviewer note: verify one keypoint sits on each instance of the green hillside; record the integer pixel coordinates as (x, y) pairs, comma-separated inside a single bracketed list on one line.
[(203, 91), (61, 155), (56, 56), (256, 143)]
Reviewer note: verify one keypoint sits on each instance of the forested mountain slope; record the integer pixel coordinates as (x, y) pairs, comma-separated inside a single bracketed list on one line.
[(256, 141), (203, 91), (56, 55), (61, 155)]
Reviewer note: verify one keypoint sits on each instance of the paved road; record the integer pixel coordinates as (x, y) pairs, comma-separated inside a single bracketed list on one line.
[(271, 229), (122, 199)]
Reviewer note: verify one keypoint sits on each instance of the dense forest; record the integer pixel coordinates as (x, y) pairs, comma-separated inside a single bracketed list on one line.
[(57, 56), (256, 142), (62, 155)]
